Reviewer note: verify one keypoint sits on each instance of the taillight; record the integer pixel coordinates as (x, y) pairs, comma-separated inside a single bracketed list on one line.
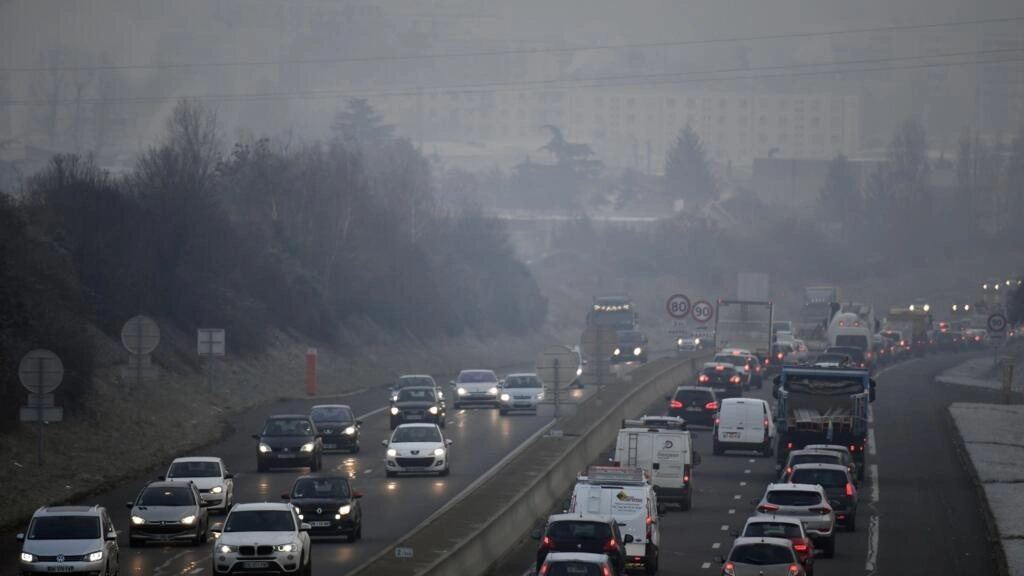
[(675, 404), (711, 405), (800, 547), (543, 570), (686, 474), (794, 570), (767, 508), (765, 422), (649, 520), (547, 544), (779, 355), (720, 367), (861, 364), (611, 546), (789, 471), (853, 447), (604, 571), (823, 510), (849, 489), (735, 379), (717, 420), (729, 569), (703, 378), (789, 445)]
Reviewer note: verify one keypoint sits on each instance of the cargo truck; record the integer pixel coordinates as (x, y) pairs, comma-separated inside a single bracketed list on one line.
[(745, 324)]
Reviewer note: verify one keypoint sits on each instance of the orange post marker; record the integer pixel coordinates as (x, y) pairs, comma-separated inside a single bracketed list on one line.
[(311, 371)]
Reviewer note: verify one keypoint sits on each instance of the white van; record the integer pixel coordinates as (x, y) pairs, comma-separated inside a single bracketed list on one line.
[(625, 494), (666, 454), (848, 329), (744, 424)]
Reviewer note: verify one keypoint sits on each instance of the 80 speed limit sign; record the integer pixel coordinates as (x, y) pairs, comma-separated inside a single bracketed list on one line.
[(702, 311), (678, 306)]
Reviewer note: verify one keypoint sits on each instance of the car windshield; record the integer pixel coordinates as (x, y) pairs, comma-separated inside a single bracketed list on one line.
[(522, 382), (416, 434), (824, 477), (331, 414), (851, 340), (794, 498), (260, 521), (762, 554), (722, 369), (288, 427), (406, 381), (773, 530), (693, 396), (832, 358), (630, 336), (64, 528), (321, 488), (194, 469), (166, 496), (416, 395), (736, 360), (814, 459), (477, 376), (573, 568), (576, 530)]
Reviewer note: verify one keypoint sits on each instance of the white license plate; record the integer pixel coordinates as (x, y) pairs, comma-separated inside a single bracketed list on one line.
[(320, 524), (59, 568), (693, 409), (255, 565), (731, 434), (287, 455), (523, 405), (330, 446), (413, 417)]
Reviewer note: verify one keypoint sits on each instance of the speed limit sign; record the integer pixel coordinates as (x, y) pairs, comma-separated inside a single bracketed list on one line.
[(703, 311), (678, 306)]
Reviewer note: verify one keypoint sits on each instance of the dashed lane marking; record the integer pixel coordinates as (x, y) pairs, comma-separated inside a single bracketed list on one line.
[(747, 471), (725, 527), (706, 565), (871, 562), (716, 545), (873, 478), (743, 483), (736, 497), (732, 510)]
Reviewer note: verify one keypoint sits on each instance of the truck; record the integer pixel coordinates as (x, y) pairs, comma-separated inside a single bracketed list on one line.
[(822, 406), (615, 310), (913, 326), (745, 324), (664, 449), (819, 304)]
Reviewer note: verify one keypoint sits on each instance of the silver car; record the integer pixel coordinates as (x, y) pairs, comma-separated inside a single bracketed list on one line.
[(476, 387), (216, 485), (520, 392), (79, 539), (809, 503), (761, 556), (168, 511)]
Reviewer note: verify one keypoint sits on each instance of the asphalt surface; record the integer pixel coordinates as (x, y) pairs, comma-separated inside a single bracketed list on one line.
[(918, 512)]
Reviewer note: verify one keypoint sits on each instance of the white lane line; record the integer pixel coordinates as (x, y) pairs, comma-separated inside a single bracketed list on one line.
[(736, 497), (706, 565), (873, 478), (743, 483), (871, 562), (725, 527), (372, 412), (871, 441), (716, 545), (747, 471), (752, 460), (368, 471), (732, 510)]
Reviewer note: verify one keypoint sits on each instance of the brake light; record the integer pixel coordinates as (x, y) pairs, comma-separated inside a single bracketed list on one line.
[(729, 569), (853, 447), (842, 323), (649, 520), (766, 360), (767, 508), (861, 364), (765, 422), (789, 471), (547, 544), (703, 378), (849, 489), (686, 474), (823, 510), (794, 570), (735, 379), (611, 546), (675, 404), (779, 356), (711, 405), (604, 571), (717, 420), (543, 570), (789, 445), (800, 547)]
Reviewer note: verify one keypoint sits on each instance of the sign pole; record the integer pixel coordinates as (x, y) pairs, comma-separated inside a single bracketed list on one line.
[(210, 363), (39, 380), (557, 411)]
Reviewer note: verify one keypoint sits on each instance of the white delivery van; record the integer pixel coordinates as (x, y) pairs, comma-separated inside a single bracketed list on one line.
[(625, 494), (665, 452), (744, 424)]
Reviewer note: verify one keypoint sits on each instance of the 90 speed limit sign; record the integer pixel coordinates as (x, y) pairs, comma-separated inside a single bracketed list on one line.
[(678, 306), (702, 311)]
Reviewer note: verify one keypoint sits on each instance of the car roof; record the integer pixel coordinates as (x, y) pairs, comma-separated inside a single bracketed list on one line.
[(415, 376), (288, 416), (734, 352), (820, 466), (216, 459), (169, 483), (576, 557), (792, 486), (315, 406), (522, 375), (744, 400), (580, 517), (250, 506), (774, 519), (827, 447), (804, 451), (745, 540), (68, 510), (322, 476), (418, 387), (418, 425), (476, 370), (709, 391)]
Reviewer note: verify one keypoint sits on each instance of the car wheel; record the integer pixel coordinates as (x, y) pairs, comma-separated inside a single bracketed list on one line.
[(308, 570), (686, 504)]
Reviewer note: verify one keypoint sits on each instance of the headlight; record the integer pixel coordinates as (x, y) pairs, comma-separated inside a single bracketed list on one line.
[(284, 547), (461, 391), (432, 409), (617, 351), (225, 549), (307, 447), (188, 520), (392, 452), (395, 410), (637, 351), (505, 397), (493, 390), (696, 341), (26, 557), (579, 371), (540, 395), (350, 430), (138, 520), (95, 556), (264, 448), (345, 509), (438, 451), (217, 489), (679, 341)]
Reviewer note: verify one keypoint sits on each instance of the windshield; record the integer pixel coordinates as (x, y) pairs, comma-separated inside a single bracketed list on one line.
[(331, 414), (194, 470), (334, 488), (260, 521), (762, 554), (830, 358), (477, 376), (621, 318), (739, 361), (814, 459), (826, 478), (416, 434), (282, 427), (416, 395), (406, 381), (630, 336), (166, 496), (773, 530), (694, 396), (573, 568), (522, 382), (851, 340), (572, 530), (64, 528), (794, 498)]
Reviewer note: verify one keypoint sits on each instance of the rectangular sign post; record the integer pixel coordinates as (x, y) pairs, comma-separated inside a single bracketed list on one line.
[(311, 371), (211, 343)]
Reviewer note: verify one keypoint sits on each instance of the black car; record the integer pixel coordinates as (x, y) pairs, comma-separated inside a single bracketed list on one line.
[(417, 404), (947, 341), (337, 425), (630, 347), (415, 380), (583, 533), (327, 502), (288, 441), (695, 404), (725, 379)]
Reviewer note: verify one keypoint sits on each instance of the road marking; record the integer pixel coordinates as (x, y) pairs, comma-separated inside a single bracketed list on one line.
[(706, 565), (372, 412), (732, 510), (873, 478), (736, 497), (871, 441), (747, 471), (716, 545), (752, 460), (725, 527), (870, 564), (743, 483), (368, 471)]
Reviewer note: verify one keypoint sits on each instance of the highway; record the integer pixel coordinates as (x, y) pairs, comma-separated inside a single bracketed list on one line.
[(918, 511)]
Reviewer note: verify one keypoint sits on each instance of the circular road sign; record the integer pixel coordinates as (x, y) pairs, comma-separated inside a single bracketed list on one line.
[(702, 311), (678, 306), (40, 371), (997, 322), (557, 365), (140, 335)]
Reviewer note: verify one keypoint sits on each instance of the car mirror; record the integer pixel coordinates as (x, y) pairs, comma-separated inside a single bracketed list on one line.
[(628, 539), (451, 382), (383, 442), (129, 505), (286, 496), (534, 534), (304, 527), (229, 476), (111, 536), (566, 504), (216, 529), (448, 442), (20, 536), (357, 494), (255, 436)]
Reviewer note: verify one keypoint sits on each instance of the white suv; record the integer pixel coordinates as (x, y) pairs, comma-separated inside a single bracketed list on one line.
[(262, 537), (520, 392), (216, 485), (809, 503), (79, 539)]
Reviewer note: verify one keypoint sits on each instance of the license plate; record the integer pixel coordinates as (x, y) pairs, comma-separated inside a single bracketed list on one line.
[(330, 446), (286, 455), (59, 568), (731, 434), (523, 405), (320, 524), (255, 565), (693, 409), (413, 417)]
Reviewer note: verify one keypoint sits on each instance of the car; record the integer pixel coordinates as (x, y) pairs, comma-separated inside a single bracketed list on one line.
[(417, 448), (857, 356), (976, 337), (800, 351), (476, 387), (338, 426), (168, 511), (786, 527), (415, 380), (744, 424), (582, 533), (832, 360), (809, 503), (327, 502), (856, 471), (631, 346), (695, 404), (744, 361), (79, 539), (263, 537), (782, 353), (577, 564), (761, 557), (838, 485), (805, 456), (417, 404), (216, 485), (288, 441), (725, 379), (522, 391)]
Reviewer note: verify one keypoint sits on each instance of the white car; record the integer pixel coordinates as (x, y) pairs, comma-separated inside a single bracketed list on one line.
[(262, 537), (79, 539), (417, 448), (216, 485), (476, 387), (520, 392)]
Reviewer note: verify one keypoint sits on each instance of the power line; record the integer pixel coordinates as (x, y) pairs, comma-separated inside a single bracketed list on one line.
[(522, 51), (653, 79)]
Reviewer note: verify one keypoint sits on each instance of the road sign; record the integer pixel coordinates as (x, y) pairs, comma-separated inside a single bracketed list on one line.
[(403, 552), (679, 328), (140, 335), (702, 311), (40, 400), (32, 414), (557, 364), (678, 306), (996, 323), (211, 341), (40, 371)]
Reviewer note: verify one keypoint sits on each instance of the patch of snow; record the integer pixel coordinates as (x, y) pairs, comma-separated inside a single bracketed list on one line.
[(1014, 556), (997, 463)]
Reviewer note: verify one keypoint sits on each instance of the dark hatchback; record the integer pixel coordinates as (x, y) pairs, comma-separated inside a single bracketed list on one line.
[(724, 379), (695, 404), (583, 533), (288, 441), (327, 502), (417, 404), (337, 425)]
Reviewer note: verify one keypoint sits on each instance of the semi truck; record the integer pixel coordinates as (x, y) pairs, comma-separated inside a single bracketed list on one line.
[(745, 324), (615, 310), (819, 304), (822, 406)]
